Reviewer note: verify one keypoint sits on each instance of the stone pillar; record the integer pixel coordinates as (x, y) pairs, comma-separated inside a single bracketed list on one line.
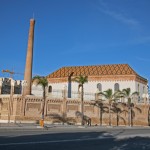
[(11, 95), (12, 86), (29, 59), (23, 100)]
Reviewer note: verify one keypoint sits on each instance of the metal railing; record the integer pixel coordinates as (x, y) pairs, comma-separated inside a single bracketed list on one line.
[(71, 95)]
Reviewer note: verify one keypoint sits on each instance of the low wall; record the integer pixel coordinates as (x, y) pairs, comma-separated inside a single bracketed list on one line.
[(28, 109)]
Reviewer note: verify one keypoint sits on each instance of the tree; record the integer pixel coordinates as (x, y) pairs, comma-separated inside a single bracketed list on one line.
[(108, 94), (40, 80), (126, 93), (81, 80)]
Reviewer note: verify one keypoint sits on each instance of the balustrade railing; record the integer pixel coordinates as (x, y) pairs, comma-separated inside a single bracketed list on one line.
[(72, 94)]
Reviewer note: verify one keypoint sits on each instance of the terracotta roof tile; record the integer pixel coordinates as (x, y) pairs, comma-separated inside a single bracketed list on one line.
[(115, 69)]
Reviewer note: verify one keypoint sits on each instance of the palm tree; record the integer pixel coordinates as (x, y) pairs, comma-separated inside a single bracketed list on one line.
[(108, 94), (102, 108), (40, 80), (81, 80), (126, 93)]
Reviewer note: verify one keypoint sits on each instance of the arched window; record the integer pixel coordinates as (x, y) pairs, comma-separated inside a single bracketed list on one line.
[(116, 87), (50, 89), (99, 86), (143, 89)]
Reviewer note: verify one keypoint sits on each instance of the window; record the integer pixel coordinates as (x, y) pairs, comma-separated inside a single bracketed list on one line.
[(50, 89), (116, 87), (99, 86), (143, 89)]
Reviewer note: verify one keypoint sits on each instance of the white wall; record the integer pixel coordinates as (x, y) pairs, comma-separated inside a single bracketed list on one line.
[(141, 88), (90, 87), (37, 90)]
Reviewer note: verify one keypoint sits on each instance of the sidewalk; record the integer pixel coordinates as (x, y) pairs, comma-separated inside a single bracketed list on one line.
[(33, 126), (19, 126)]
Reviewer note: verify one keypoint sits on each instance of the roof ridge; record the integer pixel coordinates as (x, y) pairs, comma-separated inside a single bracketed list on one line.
[(91, 70), (93, 65)]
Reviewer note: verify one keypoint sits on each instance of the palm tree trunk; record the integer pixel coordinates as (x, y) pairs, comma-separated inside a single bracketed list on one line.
[(43, 104), (129, 116), (82, 111), (117, 118), (131, 124), (109, 115), (101, 116)]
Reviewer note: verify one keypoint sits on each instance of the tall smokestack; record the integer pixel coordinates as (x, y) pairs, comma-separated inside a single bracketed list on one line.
[(29, 59)]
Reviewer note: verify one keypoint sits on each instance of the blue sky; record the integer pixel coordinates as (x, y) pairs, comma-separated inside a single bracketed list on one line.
[(75, 32)]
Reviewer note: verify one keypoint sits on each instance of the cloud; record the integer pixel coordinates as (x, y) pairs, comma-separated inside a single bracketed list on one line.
[(143, 39), (80, 48), (104, 8), (143, 59)]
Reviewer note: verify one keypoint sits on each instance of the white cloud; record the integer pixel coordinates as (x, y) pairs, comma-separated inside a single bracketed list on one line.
[(144, 39), (143, 59), (104, 8)]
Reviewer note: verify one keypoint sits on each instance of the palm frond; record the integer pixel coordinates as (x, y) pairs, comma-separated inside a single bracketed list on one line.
[(40, 80), (80, 79), (135, 93), (126, 92)]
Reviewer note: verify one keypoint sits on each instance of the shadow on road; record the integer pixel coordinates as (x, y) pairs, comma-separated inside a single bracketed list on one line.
[(73, 141)]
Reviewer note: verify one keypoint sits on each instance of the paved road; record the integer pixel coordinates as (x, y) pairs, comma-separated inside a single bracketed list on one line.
[(76, 139)]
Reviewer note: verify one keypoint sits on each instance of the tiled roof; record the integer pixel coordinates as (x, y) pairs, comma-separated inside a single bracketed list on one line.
[(98, 70)]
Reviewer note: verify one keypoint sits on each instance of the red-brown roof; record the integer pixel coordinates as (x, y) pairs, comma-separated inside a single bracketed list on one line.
[(98, 70)]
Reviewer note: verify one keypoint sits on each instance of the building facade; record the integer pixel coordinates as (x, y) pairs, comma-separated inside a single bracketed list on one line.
[(100, 78), (63, 96)]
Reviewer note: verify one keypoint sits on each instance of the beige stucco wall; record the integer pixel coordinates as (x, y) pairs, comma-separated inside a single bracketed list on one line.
[(28, 109)]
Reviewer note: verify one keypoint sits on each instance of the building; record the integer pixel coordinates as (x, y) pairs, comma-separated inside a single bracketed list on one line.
[(8, 85), (22, 101), (100, 78)]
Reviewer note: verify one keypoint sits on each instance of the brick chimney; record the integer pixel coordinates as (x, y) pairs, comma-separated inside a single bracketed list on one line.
[(29, 59)]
